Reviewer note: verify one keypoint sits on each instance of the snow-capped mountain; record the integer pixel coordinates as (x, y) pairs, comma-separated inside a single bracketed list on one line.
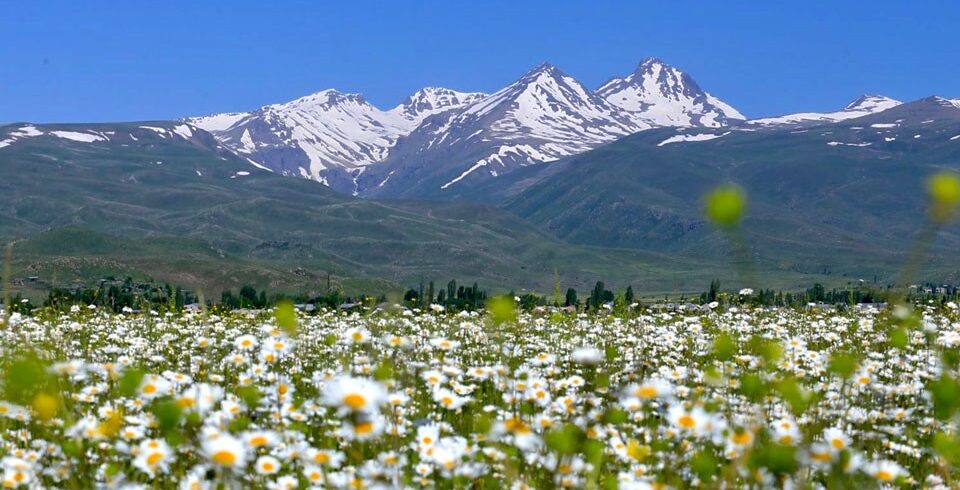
[(862, 106), (327, 136), (347, 143), (543, 116), (657, 94)]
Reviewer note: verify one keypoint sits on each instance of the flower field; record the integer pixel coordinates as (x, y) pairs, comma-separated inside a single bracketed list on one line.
[(723, 398)]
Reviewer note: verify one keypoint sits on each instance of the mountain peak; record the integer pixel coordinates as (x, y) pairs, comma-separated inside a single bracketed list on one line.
[(543, 68), (658, 94), (325, 97), (650, 61), (871, 103), (434, 100)]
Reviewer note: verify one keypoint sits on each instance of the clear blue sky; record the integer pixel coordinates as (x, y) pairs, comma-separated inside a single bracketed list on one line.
[(133, 60)]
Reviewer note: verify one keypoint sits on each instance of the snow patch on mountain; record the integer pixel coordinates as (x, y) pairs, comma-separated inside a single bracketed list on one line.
[(862, 106), (160, 131), (218, 122), (680, 138), (531, 154), (75, 136), (27, 131), (183, 130)]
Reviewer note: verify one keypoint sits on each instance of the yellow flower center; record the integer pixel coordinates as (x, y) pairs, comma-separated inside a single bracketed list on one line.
[(516, 426), (364, 428), (355, 401), (647, 392), (154, 458), (820, 457), (224, 458), (687, 422), (742, 438)]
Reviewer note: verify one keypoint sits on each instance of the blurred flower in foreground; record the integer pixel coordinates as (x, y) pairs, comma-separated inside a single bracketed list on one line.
[(725, 205), (944, 191)]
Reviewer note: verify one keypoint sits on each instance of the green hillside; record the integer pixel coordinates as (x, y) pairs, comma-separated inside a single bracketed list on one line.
[(145, 201), (839, 199)]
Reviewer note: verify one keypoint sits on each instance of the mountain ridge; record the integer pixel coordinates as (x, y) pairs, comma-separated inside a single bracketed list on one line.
[(342, 138)]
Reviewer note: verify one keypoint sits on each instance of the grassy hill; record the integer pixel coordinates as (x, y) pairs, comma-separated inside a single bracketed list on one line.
[(156, 200), (839, 199)]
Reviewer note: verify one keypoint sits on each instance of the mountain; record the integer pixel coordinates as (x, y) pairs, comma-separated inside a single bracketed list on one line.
[(543, 116), (862, 106), (451, 138), (658, 95), (840, 198), (166, 200), (328, 136)]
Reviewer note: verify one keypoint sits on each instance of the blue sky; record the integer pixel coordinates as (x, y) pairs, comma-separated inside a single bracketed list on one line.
[(107, 61)]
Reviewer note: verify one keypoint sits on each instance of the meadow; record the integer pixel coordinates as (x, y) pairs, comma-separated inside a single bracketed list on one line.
[(723, 396)]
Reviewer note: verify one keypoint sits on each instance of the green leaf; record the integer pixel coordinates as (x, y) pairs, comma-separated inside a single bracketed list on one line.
[(167, 413), (945, 393), (899, 338), (250, 395), (724, 347), (384, 371), (948, 447), (793, 393), (502, 309), (615, 416), (778, 459), (23, 379), (842, 364), (753, 387), (130, 382), (287, 318), (565, 440), (704, 465)]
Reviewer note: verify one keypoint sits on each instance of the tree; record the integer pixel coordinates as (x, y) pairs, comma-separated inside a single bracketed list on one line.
[(451, 290), (629, 295), (817, 293), (571, 299), (714, 290), (248, 296), (556, 288)]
